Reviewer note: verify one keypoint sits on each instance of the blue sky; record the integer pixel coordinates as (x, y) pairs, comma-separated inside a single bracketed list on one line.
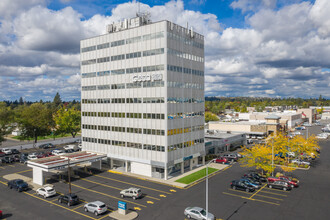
[(257, 48)]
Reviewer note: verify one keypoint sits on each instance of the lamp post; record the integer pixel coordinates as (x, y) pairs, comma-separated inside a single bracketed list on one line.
[(207, 189), (69, 177), (272, 157)]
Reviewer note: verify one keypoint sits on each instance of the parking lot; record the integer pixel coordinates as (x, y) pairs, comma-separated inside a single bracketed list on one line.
[(160, 201)]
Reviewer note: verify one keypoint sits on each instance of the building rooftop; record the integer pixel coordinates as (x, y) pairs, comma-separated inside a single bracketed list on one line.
[(273, 116)]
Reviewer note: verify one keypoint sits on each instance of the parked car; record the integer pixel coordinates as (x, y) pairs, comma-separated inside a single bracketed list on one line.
[(256, 176), (71, 147), (291, 181), (23, 160), (231, 157), (16, 158), (280, 185), (18, 184), (306, 124), (58, 152), (248, 182), (32, 157), (7, 159), (237, 184), (96, 207), (300, 162), (322, 136), (7, 151), (14, 151), (253, 180), (300, 128), (46, 191), (69, 199), (46, 146), (134, 193), (198, 213), (222, 160), (2, 153)]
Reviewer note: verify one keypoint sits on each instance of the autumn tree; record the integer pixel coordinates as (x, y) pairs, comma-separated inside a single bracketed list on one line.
[(209, 116), (68, 121)]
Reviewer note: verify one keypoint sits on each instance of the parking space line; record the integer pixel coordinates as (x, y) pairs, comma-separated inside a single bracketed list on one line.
[(60, 206), (11, 165), (273, 193), (276, 190), (2, 168), (24, 171), (269, 197), (134, 184), (3, 183), (107, 195), (240, 191), (78, 207), (101, 184), (106, 215), (258, 191), (243, 197)]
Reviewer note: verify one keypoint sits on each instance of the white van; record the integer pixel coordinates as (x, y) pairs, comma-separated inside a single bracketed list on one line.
[(72, 147)]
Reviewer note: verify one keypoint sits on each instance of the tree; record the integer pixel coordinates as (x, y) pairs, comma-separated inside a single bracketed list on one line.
[(258, 156), (57, 101), (35, 120), (6, 118), (209, 116), (21, 101), (68, 121)]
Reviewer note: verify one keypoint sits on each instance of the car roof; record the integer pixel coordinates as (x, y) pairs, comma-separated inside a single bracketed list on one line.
[(98, 203), (48, 188), (196, 208)]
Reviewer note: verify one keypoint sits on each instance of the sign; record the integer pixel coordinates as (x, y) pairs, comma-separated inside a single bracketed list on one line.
[(122, 205), (145, 78), (187, 158)]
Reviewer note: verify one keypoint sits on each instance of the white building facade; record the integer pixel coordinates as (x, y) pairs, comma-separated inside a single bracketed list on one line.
[(142, 96)]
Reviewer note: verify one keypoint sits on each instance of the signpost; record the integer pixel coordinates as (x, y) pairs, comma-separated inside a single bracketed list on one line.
[(122, 207)]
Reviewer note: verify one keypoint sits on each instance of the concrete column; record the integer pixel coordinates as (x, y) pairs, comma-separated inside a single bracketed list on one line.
[(111, 163), (126, 166), (165, 173), (38, 176), (203, 160), (191, 163), (182, 167), (97, 164)]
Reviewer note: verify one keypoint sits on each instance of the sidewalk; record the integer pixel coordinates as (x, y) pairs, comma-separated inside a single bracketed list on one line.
[(170, 182)]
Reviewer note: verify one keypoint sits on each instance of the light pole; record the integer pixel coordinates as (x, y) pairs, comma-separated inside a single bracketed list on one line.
[(272, 157), (207, 189), (69, 177)]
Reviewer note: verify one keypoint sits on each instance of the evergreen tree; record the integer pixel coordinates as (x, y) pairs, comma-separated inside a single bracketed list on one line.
[(21, 102), (57, 100)]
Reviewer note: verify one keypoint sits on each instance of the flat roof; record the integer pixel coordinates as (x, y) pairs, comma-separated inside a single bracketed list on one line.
[(62, 161)]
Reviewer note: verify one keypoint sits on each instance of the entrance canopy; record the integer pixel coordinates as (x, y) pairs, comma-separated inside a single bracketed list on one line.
[(63, 161)]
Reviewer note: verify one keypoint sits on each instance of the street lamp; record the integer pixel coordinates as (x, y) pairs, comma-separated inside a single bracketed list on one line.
[(69, 177), (207, 189)]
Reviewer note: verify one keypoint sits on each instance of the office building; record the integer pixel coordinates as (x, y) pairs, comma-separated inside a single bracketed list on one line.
[(142, 96)]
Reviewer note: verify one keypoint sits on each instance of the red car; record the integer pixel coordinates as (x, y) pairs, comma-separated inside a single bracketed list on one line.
[(222, 160), (292, 181)]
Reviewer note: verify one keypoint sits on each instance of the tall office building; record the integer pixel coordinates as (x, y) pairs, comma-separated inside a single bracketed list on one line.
[(142, 96)]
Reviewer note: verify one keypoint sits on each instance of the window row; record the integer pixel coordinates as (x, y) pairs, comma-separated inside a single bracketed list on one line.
[(123, 129), (123, 71), (134, 85), (124, 56), (183, 85), (187, 56), (124, 144), (122, 42), (123, 115), (185, 115), (184, 100), (122, 100), (187, 41), (185, 144), (184, 130), (180, 69)]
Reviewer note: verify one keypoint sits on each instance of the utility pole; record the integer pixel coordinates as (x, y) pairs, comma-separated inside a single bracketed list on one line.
[(272, 156), (207, 189), (69, 177)]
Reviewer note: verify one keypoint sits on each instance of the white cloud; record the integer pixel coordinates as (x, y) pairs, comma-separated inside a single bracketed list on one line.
[(9, 8)]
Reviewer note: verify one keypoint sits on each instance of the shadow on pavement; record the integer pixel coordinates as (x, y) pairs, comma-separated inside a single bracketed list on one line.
[(236, 211)]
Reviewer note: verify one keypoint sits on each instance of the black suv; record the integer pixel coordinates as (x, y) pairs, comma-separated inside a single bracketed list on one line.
[(237, 184), (69, 199), (280, 185), (14, 151), (256, 176), (8, 160), (18, 184)]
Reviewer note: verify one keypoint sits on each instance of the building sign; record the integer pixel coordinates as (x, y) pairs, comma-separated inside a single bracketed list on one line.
[(187, 158), (145, 78), (122, 205)]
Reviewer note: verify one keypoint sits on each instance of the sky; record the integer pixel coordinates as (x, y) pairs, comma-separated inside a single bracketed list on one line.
[(255, 48)]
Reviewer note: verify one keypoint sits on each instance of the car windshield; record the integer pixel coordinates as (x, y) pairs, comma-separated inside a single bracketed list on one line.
[(203, 212), (74, 197), (50, 190), (19, 182), (102, 206), (139, 191)]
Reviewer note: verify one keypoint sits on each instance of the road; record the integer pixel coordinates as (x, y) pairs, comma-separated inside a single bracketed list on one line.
[(13, 144)]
